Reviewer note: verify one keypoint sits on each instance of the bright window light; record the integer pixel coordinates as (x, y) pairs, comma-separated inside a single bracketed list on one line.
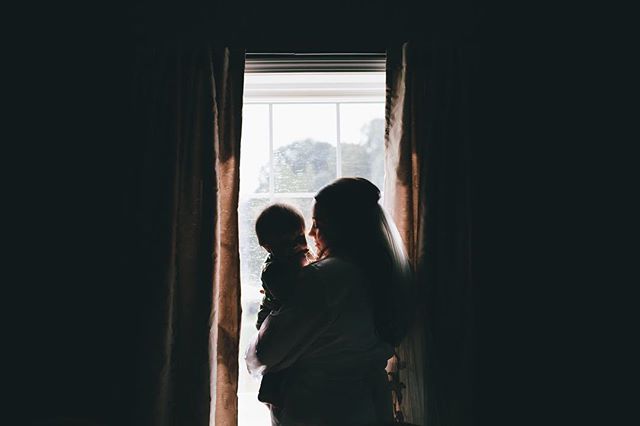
[(300, 131)]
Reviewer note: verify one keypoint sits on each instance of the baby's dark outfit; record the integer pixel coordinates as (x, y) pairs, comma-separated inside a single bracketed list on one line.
[(278, 280)]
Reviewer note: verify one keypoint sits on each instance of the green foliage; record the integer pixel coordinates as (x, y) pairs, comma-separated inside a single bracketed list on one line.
[(308, 165), (304, 166)]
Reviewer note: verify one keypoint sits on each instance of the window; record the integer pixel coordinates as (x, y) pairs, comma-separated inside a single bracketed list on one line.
[(303, 126)]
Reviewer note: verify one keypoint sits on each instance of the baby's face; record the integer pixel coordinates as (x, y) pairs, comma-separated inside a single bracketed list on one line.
[(291, 246)]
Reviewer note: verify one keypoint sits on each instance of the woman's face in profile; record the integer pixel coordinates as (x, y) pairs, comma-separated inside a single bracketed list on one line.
[(315, 234)]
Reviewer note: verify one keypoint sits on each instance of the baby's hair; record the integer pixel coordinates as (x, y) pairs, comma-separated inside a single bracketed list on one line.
[(277, 220)]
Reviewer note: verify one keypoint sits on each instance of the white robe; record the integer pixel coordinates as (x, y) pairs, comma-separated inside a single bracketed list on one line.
[(325, 339)]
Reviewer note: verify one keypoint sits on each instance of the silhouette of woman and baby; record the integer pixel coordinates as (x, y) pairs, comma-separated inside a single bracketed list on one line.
[(329, 323)]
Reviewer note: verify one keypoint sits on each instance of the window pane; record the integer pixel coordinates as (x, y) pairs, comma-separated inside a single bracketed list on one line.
[(304, 144), (362, 141), (254, 149), (304, 159)]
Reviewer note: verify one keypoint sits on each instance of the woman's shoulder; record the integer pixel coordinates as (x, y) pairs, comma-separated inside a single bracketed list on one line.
[(334, 269), (332, 263), (336, 278)]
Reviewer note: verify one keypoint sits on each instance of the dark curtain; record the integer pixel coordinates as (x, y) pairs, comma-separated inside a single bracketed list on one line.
[(428, 190), (187, 106)]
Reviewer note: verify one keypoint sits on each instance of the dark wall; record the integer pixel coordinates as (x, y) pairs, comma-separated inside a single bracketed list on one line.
[(301, 25), (77, 319)]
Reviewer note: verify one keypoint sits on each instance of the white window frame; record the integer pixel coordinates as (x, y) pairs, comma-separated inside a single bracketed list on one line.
[(321, 92), (291, 92)]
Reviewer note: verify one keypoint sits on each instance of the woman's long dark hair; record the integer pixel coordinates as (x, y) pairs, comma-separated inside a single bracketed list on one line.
[(354, 225)]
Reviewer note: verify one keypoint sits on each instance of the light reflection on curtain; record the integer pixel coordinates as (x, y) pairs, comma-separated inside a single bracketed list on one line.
[(428, 191), (189, 105)]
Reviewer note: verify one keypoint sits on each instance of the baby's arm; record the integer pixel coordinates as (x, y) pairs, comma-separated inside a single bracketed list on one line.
[(267, 305), (277, 282), (278, 279)]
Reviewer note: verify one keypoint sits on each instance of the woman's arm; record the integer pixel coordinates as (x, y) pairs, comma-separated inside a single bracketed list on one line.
[(288, 332)]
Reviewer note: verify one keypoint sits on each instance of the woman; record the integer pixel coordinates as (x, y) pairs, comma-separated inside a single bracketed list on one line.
[(334, 337)]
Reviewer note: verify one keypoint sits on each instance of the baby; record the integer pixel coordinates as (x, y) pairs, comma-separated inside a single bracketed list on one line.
[(280, 230)]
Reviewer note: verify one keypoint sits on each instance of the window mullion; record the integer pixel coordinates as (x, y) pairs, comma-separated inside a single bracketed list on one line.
[(272, 181), (338, 146)]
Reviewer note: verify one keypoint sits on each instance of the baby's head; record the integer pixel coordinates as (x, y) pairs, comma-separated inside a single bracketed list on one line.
[(280, 230)]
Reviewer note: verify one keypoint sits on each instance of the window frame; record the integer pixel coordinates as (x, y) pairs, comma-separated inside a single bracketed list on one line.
[(352, 65), (284, 93)]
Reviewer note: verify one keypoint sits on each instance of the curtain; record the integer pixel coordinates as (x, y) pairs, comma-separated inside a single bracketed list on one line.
[(187, 106), (428, 191)]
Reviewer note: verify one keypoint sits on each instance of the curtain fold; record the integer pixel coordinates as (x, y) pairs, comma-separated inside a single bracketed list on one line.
[(428, 192), (188, 106)]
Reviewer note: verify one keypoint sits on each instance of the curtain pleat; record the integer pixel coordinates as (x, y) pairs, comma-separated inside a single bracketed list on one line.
[(428, 191), (188, 103), (226, 312)]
